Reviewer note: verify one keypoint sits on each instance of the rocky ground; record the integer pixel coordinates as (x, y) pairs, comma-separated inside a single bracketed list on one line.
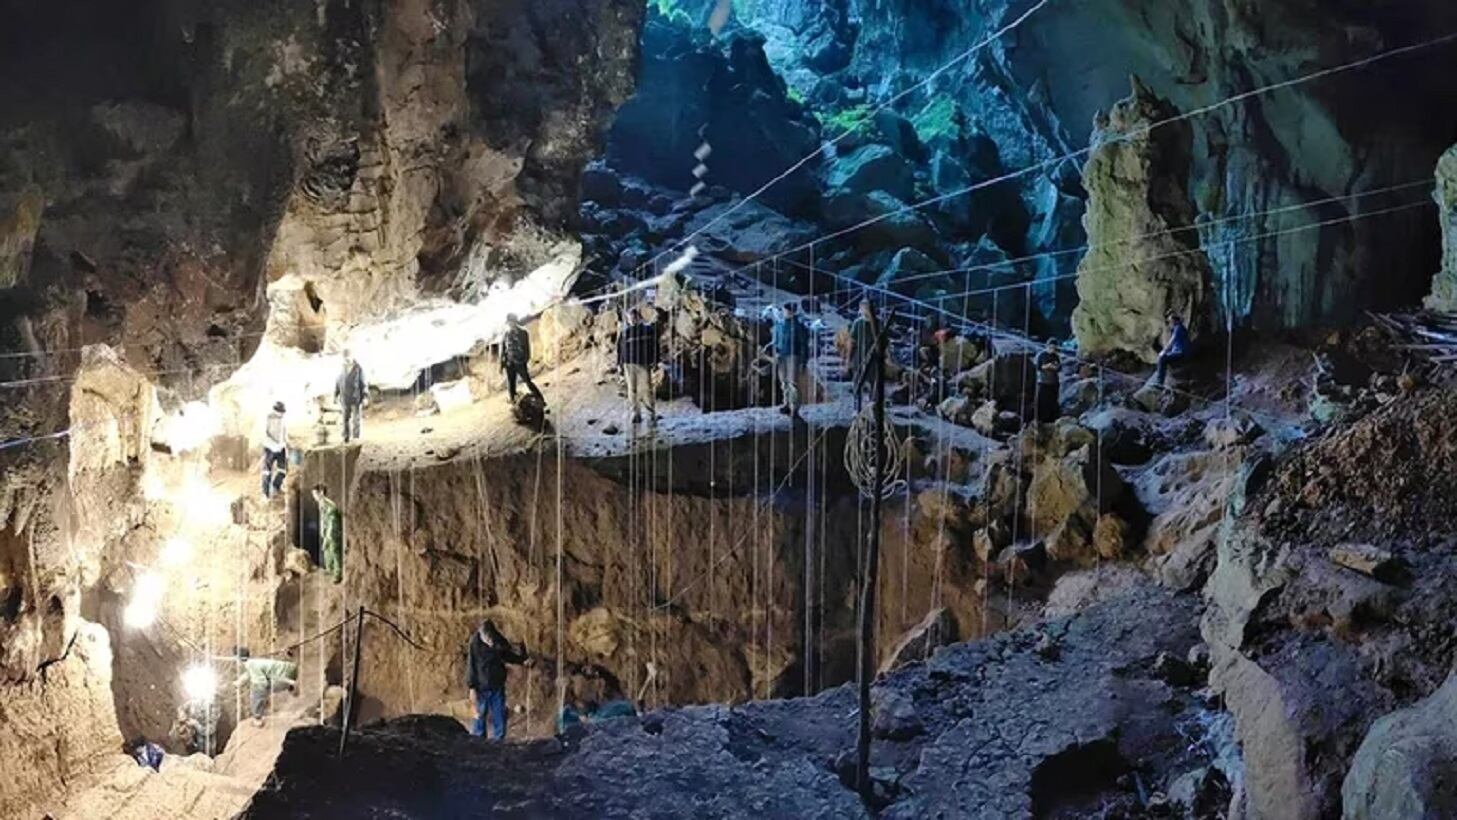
[(1078, 717)]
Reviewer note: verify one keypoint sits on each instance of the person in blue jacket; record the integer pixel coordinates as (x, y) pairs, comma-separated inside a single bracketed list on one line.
[(1176, 349), (791, 356)]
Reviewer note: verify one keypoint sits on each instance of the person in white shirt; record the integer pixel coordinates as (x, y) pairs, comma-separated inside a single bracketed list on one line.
[(275, 451)]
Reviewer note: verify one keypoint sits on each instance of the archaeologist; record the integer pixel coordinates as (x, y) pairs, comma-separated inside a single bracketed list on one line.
[(516, 358), (791, 356), (275, 451), (582, 711), (1049, 383), (331, 533), (147, 754), (1173, 352), (194, 728), (349, 391), (485, 678), (637, 353), (264, 676), (862, 347)]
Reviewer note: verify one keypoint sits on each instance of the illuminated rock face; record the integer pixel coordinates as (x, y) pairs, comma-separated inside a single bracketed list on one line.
[(1444, 286), (160, 164), (1144, 259)]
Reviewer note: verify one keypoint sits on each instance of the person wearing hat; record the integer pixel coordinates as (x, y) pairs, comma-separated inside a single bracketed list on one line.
[(275, 451), (485, 677)]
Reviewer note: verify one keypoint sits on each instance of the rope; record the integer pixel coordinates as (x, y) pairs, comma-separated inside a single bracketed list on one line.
[(827, 147), (1131, 135), (1195, 228)]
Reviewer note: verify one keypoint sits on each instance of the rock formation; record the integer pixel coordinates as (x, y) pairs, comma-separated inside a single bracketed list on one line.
[(1144, 258), (1444, 285), (1307, 651), (1407, 765)]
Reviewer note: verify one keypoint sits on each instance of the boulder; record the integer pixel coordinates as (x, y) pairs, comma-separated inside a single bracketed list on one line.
[(895, 225), (1141, 265), (906, 263), (1407, 765), (1066, 498), (900, 134), (1009, 379), (1111, 536), (984, 420), (958, 410), (745, 232), (872, 168), (600, 185)]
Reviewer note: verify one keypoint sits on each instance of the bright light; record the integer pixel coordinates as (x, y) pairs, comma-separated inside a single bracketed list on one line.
[(141, 611), (149, 587), (176, 552), (140, 614), (193, 426), (203, 504), (200, 683)]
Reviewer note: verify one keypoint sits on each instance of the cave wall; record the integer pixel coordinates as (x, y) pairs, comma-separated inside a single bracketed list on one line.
[(701, 575), (1033, 96), (160, 162)]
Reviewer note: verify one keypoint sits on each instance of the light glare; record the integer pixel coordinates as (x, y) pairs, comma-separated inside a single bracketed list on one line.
[(200, 683)]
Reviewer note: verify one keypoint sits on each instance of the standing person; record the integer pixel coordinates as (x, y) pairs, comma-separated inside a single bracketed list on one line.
[(485, 678), (264, 676), (1176, 349), (637, 353), (275, 451), (349, 391), (516, 358), (1049, 383), (331, 533), (862, 347), (791, 355)]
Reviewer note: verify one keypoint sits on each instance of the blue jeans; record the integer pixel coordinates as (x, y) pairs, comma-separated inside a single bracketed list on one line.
[(492, 703), (1165, 361)]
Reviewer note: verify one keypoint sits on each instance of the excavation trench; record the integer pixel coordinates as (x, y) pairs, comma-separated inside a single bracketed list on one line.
[(689, 574)]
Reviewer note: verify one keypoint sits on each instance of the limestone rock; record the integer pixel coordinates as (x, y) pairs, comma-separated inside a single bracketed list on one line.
[(1444, 285), (934, 631), (19, 224), (562, 333), (1066, 497), (1407, 765), (1111, 536), (1365, 559), (1143, 261)]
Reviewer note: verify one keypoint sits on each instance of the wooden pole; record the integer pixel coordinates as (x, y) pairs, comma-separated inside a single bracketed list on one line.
[(871, 570), (353, 692)]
